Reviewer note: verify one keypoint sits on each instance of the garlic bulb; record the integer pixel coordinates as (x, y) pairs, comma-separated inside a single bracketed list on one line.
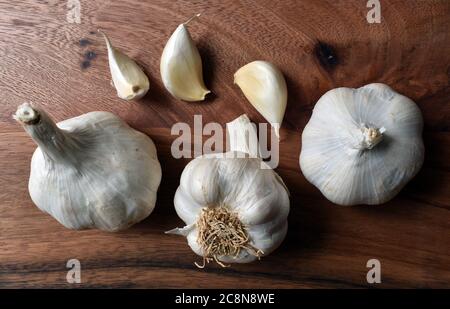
[(361, 146), (91, 171), (128, 78), (234, 209), (181, 66), (265, 87)]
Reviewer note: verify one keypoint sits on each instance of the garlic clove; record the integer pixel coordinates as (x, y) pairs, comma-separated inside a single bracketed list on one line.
[(181, 66), (128, 77), (265, 87)]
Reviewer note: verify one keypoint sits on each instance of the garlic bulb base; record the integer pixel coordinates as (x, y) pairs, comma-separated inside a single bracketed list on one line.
[(221, 233)]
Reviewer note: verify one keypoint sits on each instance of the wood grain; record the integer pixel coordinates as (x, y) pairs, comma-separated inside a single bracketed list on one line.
[(318, 45)]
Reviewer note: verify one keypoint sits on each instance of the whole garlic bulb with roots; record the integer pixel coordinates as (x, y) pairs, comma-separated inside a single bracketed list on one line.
[(361, 146), (91, 171), (235, 207)]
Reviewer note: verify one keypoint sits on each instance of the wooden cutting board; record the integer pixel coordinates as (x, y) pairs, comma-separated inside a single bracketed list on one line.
[(318, 45)]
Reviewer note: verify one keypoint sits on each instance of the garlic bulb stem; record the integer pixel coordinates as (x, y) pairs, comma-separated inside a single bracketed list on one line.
[(56, 144), (243, 136), (371, 137), (91, 171)]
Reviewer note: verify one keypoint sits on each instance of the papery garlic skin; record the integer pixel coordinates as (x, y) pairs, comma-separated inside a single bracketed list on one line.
[(91, 171), (264, 86), (127, 76), (181, 67), (361, 146), (258, 197)]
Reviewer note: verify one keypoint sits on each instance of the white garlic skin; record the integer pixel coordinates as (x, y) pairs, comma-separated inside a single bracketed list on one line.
[(265, 88), (181, 67), (258, 196), (91, 171), (361, 146), (128, 78)]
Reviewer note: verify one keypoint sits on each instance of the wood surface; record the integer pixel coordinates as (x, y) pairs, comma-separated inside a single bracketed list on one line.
[(318, 45)]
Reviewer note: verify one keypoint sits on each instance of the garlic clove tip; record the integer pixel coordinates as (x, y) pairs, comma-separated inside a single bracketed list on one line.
[(192, 18)]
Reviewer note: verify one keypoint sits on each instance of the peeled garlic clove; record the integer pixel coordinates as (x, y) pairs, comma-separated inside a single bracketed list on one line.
[(265, 87), (91, 171), (361, 146), (128, 78), (181, 66)]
